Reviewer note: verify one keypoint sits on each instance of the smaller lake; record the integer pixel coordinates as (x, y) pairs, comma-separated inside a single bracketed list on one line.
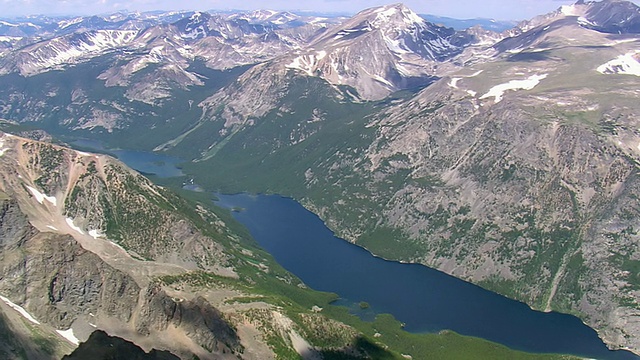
[(425, 299), (143, 161)]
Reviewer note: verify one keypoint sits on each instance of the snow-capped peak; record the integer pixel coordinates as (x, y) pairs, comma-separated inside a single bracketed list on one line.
[(266, 16), (608, 16), (569, 10), (262, 15), (196, 16), (66, 23), (8, 24), (396, 12), (71, 48)]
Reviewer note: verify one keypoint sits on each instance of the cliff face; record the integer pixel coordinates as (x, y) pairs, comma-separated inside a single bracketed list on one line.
[(65, 286), (58, 281), (196, 317), (14, 225)]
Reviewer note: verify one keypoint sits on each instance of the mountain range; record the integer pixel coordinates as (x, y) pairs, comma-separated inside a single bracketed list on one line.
[(508, 159)]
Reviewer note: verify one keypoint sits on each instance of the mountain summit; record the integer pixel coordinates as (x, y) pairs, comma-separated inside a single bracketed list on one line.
[(381, 50)]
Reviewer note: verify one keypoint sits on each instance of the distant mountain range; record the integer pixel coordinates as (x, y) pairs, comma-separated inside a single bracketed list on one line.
[(461, 24), (506, 158), (25, 26)]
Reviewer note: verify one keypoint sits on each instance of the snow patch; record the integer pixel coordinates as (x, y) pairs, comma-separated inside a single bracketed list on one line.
[(66, 23), (305, 63), (10, 39), (396, 46), (623, 64), (383, 80), (69, 335), (585, 22), (19, 309), (7, 24), (316, 20), (73, 226), (539, 50), (498, 91), (454, 81), (621, 41), (408, 16), (569, 10), (40, 197), (404, 71), (95, 234), (2, 148), (195, 33), (157, 50), (386, 12)]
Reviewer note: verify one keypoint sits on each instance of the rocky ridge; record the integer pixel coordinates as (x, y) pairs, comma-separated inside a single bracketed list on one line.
[(58, 264)]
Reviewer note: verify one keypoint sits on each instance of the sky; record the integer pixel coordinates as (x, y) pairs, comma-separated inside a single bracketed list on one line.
[(462, 9)]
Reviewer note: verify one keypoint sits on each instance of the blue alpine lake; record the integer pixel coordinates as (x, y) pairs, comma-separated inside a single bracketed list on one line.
[(424, 299), (143, 161)]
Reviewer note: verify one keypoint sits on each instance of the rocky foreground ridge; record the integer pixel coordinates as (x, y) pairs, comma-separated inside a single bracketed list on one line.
[(59, 208)]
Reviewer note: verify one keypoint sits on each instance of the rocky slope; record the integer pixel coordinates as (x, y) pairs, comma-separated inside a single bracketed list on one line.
[(58, 264)]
